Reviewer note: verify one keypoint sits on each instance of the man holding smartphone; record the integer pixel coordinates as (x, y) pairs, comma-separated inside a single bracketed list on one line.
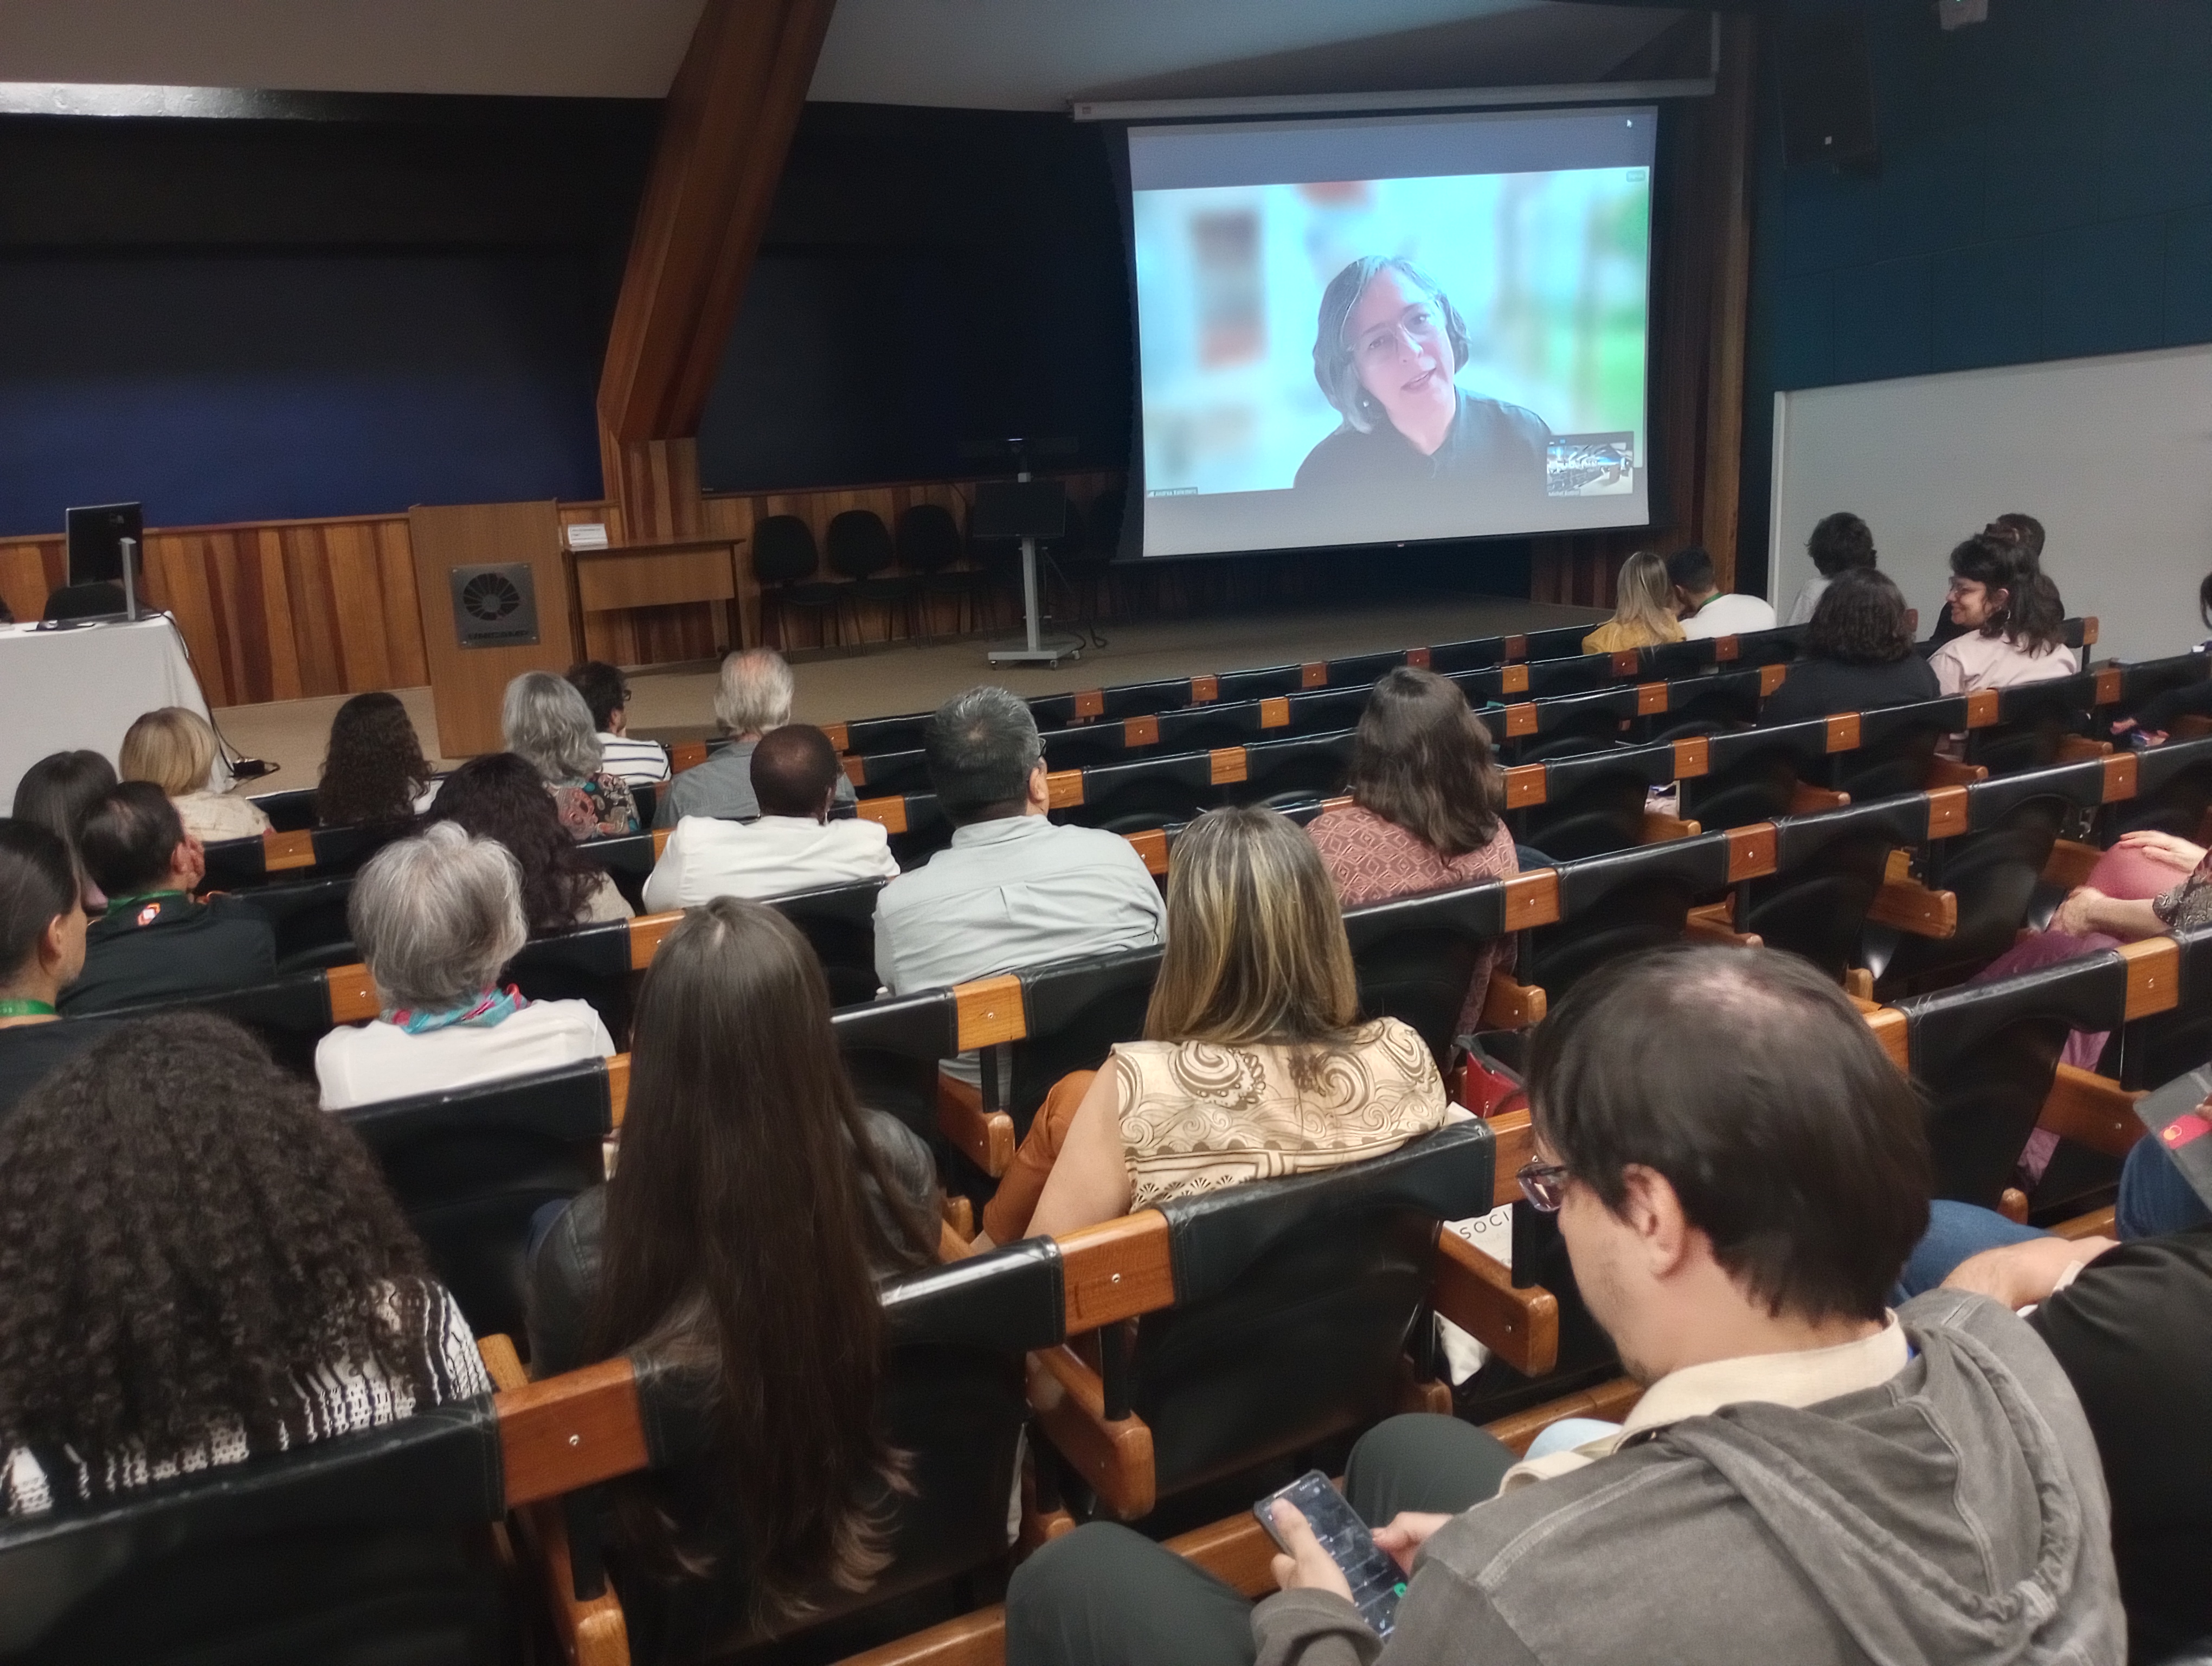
[(1740, 1173)]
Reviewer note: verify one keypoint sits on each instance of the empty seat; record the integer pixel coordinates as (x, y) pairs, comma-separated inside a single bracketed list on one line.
[(1711, 705), (784, 561), (859, 547), (1829, 867), (1280, 772), (1594, 803), (891, 1049), (292, 811), (1896, 749), (839, 922), (1144, 792), (929, 545), (307, 918), (2173, 791), (2033, 718), (1415, 958), (1618, 905), (1567, 727), (1753, 775)]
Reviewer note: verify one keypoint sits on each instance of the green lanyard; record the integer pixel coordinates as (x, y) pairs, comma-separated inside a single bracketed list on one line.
[(117, 904), (26, 1009)]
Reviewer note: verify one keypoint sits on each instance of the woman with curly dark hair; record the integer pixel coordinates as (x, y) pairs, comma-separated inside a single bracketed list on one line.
[(374, 771), (201, 1268), (2011, 612), (500, 796), (1858, 653)]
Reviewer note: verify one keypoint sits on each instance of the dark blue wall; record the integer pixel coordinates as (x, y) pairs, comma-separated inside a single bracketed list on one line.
[(2044, 192)]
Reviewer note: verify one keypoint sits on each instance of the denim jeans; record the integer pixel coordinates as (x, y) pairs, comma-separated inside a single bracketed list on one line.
[(2155, 1197), (1955, 1232)]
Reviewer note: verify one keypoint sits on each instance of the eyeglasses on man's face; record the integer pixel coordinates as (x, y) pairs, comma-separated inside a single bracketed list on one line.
[(1544, 1185)]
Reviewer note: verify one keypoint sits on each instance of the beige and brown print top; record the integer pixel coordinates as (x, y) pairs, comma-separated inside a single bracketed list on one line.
[(1198, 1116)]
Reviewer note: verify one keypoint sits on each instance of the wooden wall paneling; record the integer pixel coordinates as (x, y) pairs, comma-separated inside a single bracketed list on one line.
[(466, 683), (350, 556), (1729, 175), (730, 517), (403, 615), (315, 620), (271, 546), (30, 568)]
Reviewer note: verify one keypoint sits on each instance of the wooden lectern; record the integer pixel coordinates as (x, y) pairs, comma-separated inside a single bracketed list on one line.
[(477, 627)]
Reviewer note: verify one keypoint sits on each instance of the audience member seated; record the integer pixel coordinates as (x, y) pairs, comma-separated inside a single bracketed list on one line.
[(607, 692), (2021, 533), (41, 949), (436, 918), (1701, 606), (1014, 890), (2149, 724), (545, 722), (1427, 803), (2012, 615), (201, 1270), (1739, 1172), (1644, 611), (499, 796), (1858, 654), (1840, 543), (175, 750), (155, 941), (56, 791), (373, 772), (752, 695), (755, 1208), (1253, 1063), (794, 846)]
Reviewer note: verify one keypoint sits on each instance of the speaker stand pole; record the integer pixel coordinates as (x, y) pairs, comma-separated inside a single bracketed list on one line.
[(1038, 652), (130, 578)]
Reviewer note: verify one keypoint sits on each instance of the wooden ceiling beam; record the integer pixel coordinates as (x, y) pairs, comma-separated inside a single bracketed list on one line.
[(727, 126)]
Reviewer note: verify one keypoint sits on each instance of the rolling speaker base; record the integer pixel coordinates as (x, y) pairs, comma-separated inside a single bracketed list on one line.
[(1049, 652)]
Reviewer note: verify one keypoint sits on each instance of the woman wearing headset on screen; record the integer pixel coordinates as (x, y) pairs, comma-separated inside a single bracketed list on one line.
[(1389, 345)]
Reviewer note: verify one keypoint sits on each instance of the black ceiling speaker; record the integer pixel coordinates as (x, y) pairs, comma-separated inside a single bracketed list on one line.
[(1827, 93)]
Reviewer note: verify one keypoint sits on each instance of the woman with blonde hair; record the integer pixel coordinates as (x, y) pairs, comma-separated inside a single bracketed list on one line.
[(1643, 610), (174, 749), (1254, 1063)]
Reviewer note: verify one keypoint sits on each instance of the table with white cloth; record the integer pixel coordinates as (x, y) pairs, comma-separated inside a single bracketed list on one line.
[(60, 690)]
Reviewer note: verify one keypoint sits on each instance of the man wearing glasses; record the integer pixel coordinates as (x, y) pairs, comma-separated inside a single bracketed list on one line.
[(1739, 1173)]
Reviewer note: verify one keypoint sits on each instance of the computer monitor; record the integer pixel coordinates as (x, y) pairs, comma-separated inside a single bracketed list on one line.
[(95, 538), (1019, 508)]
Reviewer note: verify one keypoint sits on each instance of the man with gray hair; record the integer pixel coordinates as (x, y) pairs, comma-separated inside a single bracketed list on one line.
[(437, 918), (1014, 890), (752, 698)]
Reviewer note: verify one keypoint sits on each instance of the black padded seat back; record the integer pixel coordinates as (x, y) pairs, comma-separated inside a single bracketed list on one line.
[(1666, 662), (891, 1048), (290, 1015), (783, 550), (2147, 679), (307, 918), (1778, 646), (1415, 956), (1986, 1056), (858, 544), (232, 864), (1752, 774), (950, 1397), (1280, 772), (1594, 803), (1575, 724), (1324, 711), (1706, 706), (895, 774), (2165, 1045), (1265, 683), (1202, 729), (1144, 792), (1127, 700), (1076, 748), (2033, 718), (1075, 1011), (1828, 869), (1364, 670), (1560, 642), (928, 831), (627, 859), (839, 923), (2173, 790), (292, 811), (1295, 1299), (1475, 653), (1896, 747), (927, 538), (471, 1166), (1549, 678), (343, 849), (886, 734), (1618, 905), (359, 1551)]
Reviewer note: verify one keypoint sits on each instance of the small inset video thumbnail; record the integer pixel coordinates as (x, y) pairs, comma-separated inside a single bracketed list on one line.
[(1590, 465)]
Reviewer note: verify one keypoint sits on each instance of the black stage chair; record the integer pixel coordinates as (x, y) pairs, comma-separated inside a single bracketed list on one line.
[(839, 921), (859, 547), (471, 1167), (927, 540), (372, 1548), (1415, 958), (1617, 904), (1829, 867), (1594, 803), (308, 920), (785, 562), (1753, 775), (1986, 1056)]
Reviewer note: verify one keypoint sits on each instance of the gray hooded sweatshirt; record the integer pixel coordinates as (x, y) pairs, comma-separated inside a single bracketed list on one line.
[(1955, 1516)]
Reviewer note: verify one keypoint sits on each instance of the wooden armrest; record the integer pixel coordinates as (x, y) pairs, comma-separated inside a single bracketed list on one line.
[(2073, 748), (1658, 829), (1521, 1327), (591, 1631), (1236, 1551), (1811, 800), (2190, 725), (1516, 1143), (1704, 928), (2069, 863), (987, 1138), (952, 1246), (1509, 1006), (1609, 1402), (2093, 1110), (1858, 984), (501, 1363), (1115, 1456), (2012, 1204), (1911, 907), (959, 1215), (2097, 1224), (1949, 772)]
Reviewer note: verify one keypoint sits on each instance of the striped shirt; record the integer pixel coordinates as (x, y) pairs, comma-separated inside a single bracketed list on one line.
[(342, 1397), (639, 762)]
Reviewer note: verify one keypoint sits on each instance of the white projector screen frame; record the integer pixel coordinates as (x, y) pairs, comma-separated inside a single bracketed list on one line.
[(2113, 454)]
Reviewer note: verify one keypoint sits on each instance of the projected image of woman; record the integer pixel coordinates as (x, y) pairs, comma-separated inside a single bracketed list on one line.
[(1388, 346)]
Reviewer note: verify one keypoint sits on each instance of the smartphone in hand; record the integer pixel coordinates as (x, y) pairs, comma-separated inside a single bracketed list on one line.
[(1377, 1581)]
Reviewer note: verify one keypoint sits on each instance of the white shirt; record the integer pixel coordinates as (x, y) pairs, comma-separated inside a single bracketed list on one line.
[(1729, 616), (1800, 611), (209, 816), (707, 857), (1966, 664), (362, 1064), (639, 762)]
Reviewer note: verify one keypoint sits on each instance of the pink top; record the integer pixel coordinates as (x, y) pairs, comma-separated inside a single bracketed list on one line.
[(1375, 860), (1975, 661)]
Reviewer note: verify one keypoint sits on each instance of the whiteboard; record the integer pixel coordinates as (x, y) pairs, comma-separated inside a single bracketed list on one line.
[(2112, 455)]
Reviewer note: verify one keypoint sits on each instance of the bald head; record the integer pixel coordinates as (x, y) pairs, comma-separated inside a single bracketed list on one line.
[(795, 772)]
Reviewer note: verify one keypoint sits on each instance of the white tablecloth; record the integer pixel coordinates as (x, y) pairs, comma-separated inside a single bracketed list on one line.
[(63, 690)]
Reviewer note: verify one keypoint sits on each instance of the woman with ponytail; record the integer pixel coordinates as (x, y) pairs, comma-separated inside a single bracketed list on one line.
[(2011, 616)]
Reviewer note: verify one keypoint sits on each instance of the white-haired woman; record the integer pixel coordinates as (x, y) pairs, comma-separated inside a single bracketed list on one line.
[(546, 721), (437, 917), (1388, 346)]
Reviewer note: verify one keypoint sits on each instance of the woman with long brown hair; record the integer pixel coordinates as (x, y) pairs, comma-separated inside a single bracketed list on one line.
[(753, 1208), (1253, 1063), (373, 771)]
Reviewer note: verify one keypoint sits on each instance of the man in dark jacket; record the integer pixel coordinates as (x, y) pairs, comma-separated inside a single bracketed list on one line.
[(155, 942), (1740, 1173)]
